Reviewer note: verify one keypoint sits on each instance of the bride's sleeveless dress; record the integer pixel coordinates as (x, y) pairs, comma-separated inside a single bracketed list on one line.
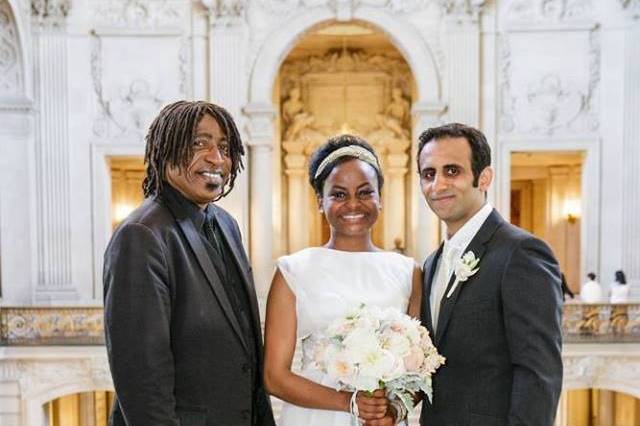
[(328, 284)]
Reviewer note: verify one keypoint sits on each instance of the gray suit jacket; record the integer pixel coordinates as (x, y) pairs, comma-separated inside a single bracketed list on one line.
[(176, 350), (500, 332)]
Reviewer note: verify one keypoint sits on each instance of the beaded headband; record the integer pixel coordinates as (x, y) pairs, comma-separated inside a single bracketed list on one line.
[(355, 151)]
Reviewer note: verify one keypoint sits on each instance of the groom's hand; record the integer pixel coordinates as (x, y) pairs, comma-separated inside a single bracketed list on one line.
[(373, 407)]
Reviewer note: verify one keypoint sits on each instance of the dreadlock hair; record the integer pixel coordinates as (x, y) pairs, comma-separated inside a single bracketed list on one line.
[(334, 143), (169, 141)]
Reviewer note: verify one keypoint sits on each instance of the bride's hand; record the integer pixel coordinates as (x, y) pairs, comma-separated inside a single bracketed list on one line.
[(373, 407)]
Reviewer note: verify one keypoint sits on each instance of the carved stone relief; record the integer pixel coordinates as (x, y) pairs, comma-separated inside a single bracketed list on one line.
[(11, 79), (137, 14), (548, 11), (226, 12), (632, 7), (127, 110), (46, 326), (40, 377), (53, 12), (550, 102), (461, 7), (385, 79), (395, 6), (621, 373)]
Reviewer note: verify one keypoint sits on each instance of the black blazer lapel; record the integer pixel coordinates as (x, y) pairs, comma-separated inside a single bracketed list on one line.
[(197, 245), (478, 246), (242, 267), (429, 269)]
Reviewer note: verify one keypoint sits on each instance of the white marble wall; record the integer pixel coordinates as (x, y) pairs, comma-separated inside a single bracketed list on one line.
[(30, 377), (533, 74)]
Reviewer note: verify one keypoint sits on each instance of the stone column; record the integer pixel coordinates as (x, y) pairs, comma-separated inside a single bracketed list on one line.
[(53, 230), (260, 143), (463, 65), (295, 162), (394, 193), (227, 86), (631, 155), (425, 227)]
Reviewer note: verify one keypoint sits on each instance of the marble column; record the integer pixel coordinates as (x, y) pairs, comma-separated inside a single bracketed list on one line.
[(260, 144), (53, 229), (295, 162), (394, 193), (228, 35), (463, 64), (631, 165), (424, 235)]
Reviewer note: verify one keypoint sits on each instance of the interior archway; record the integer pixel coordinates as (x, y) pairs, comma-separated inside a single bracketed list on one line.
[(343, 78)]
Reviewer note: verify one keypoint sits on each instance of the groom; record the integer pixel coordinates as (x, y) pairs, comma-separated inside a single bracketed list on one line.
[(499, 328)]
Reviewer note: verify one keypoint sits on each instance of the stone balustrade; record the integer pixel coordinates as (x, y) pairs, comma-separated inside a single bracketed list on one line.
[(83, 325)]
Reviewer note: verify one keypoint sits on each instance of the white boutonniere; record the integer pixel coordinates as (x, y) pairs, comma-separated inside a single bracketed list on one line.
[(464, 267)]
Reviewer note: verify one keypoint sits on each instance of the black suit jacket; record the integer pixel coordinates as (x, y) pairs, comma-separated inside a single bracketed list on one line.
[(176, 349), (501, 334)]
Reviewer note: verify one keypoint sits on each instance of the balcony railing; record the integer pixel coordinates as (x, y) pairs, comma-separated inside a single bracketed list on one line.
[(75, 325)]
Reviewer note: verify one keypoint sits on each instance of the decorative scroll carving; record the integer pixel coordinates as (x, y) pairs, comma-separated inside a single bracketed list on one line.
[(632, 7), (549, 11), (507, 100), (52, 12), (137, 14), (550, 104), (47, 326), (39, 377), (278, 7), (11, 79), (128, 114), (471, 8), (226, 12)]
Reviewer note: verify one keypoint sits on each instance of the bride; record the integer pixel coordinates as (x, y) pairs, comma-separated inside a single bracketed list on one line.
[(314, 286)]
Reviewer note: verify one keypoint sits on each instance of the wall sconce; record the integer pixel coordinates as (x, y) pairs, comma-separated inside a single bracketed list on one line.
[(572, 209)]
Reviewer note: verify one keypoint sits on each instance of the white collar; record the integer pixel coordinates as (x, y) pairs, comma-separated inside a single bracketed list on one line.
[(462, 238)]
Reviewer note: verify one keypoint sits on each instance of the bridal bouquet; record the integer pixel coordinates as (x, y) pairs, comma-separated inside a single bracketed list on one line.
[(373, 348)]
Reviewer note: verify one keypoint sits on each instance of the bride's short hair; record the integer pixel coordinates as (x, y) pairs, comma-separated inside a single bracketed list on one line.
[(333, 144)]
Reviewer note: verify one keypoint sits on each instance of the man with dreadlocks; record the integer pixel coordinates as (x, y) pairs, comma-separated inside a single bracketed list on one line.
[(181, 316)]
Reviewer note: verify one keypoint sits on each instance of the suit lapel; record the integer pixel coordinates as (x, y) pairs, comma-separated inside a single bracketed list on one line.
[(197, 245), (429, 273), (246, 279), (478, 246)]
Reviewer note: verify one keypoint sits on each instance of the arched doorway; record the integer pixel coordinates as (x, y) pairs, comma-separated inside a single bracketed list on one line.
[(80, 409), (343, 78), (261, 110)]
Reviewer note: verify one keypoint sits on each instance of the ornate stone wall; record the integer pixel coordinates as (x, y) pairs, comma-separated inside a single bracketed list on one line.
[(11, 65)]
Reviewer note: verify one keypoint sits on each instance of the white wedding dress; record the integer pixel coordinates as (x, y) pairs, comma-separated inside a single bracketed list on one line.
[(328, 284)]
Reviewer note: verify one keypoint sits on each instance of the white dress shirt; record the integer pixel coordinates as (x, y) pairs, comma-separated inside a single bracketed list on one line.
[(453, 249)]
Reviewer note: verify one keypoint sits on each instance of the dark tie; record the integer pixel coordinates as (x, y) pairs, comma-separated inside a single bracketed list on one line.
[(213, 239)]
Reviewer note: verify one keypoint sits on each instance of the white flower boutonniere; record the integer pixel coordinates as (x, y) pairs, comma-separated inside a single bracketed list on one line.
[(463, 269)]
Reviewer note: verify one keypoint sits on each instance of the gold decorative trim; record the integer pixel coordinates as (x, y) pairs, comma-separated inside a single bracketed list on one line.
[(601, 323), (75, 325), (41, 326)]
